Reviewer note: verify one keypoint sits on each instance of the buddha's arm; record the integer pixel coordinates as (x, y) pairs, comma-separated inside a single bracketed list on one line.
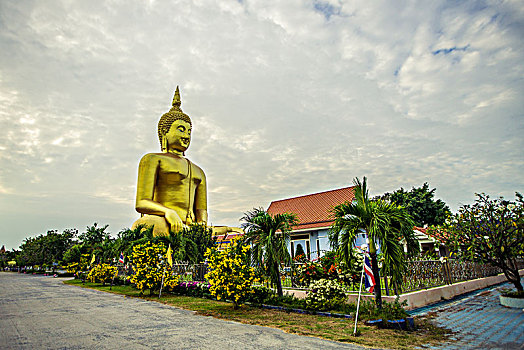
[(201, 200), (147, 174)]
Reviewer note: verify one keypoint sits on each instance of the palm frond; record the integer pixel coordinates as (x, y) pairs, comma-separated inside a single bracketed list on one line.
[(384, 223), (268, 235)]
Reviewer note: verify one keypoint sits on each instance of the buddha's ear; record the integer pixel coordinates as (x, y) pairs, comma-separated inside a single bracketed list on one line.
[(164, 143)]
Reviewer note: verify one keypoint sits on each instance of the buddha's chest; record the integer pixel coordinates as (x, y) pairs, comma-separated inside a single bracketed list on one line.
[(177, 172)]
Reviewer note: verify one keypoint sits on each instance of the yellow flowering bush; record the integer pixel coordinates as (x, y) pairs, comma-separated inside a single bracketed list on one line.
[(72, 268), (79, 268), (150, 263), (230, 276), (102, 273)]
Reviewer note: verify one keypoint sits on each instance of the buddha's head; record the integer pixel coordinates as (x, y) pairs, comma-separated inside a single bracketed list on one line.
[(175, 127)]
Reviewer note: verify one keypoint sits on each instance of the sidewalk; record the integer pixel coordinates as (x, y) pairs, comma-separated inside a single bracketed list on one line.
[(479, 321)]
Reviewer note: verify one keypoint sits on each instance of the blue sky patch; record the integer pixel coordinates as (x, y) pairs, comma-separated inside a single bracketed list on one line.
[(326, 9), (397, 71), (450, 50)]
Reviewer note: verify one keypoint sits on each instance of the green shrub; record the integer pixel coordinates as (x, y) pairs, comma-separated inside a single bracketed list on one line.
[(287, 301), (389, 311), (261, 295)]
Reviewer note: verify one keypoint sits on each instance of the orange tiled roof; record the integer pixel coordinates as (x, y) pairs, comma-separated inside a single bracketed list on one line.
[(421, 229), (439, 235), (313, 210), (225, 240), (228, 236)]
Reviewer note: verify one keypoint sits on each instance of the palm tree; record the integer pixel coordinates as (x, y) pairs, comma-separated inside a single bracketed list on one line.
[(268, 236), (385, 224)]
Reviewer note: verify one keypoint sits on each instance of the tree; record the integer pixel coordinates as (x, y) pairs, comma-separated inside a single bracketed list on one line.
[(6, 256), (490, 231), (194, 242), (189, 244), (11, 255), (99, 242), (46, 249), (385, 224), (105, 252), (268, 236), (94, 235), (127, 238), (73, 254), (420, 204)]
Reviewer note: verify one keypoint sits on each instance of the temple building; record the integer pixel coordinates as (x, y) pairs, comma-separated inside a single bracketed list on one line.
[(224, 240), (431, 242), (314, 213)]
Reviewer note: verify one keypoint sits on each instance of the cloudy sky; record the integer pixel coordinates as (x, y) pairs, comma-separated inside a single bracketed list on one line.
[(287, 98)]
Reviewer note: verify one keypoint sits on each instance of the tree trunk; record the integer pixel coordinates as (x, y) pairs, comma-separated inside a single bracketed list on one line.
[(376, 275), (278, 281), (513, 276), (518, 285)]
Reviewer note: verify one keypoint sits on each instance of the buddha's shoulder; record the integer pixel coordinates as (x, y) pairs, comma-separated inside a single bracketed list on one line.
[(149, 157), (197, 168)]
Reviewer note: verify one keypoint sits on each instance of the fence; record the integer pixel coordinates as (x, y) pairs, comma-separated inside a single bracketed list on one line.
[(426, 274), (190, 272), (186, 271), (419, 274)]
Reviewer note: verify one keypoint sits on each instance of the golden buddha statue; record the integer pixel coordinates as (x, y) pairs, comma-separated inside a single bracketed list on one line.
[(171, 190)]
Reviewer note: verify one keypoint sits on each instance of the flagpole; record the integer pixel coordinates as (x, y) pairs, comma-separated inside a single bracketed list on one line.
[(113, 279), (359, 293), (162, 284)]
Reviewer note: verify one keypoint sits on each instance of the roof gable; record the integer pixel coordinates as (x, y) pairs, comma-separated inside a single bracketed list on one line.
[(313, 210)]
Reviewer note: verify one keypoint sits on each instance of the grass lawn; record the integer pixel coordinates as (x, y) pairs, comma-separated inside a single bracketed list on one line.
[(311, 325)]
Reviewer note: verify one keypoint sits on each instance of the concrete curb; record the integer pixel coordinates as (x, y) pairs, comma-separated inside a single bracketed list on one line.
[(425, 297)]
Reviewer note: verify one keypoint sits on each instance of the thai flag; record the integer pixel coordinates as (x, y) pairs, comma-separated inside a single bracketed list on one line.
[(369, 279), (121, 258)]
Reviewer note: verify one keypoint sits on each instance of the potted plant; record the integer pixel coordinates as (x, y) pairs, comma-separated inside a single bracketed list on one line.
[(510, 298)]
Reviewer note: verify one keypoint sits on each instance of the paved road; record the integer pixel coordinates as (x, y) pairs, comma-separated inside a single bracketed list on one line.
[(38, 312), (480, 322)]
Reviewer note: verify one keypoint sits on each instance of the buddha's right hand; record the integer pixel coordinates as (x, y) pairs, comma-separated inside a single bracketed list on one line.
[(174, 220)]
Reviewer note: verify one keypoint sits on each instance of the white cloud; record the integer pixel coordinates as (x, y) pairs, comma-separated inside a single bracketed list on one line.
[(287, 98)]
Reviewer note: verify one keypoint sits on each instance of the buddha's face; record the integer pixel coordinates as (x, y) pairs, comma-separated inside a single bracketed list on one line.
[(179, 136)]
